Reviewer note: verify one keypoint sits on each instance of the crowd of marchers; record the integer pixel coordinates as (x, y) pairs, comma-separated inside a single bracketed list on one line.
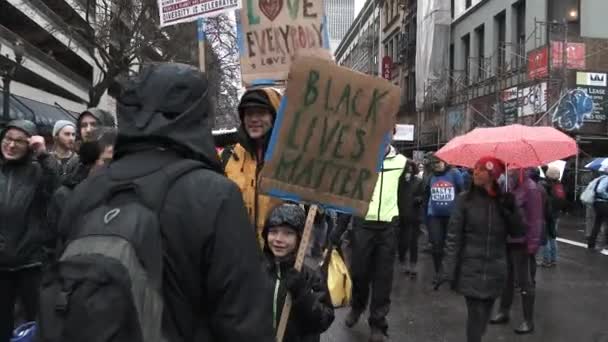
[(137, 227)]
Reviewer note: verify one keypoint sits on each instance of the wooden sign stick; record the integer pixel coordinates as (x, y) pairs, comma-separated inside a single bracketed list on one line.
[(310, 221)]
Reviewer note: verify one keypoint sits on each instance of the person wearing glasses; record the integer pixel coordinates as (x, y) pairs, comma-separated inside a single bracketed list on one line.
[(28, 177)]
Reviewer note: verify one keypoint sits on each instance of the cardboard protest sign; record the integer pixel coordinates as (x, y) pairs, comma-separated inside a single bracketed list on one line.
[(329, 136), (181, 11), (271, 32)]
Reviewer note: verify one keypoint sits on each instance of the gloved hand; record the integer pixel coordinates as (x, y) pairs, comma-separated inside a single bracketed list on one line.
[(296, 283), (336, 237)]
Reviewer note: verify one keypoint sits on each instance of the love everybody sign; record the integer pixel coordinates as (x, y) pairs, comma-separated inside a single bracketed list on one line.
[(329, 136), (271, 32)]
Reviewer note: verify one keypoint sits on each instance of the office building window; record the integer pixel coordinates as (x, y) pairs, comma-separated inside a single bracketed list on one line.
[(480, 37), (501, 44)]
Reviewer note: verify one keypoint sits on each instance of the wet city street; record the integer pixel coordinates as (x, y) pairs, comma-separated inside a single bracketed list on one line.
[(571, 303)]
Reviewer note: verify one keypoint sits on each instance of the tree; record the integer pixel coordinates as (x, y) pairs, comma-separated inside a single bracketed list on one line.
[(121, 35), (223, 69)]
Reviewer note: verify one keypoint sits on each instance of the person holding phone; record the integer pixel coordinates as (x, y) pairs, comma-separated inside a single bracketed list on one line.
[(28, 177)]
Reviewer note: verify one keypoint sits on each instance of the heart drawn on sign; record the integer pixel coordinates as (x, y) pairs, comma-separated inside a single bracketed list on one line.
[(271, 8)]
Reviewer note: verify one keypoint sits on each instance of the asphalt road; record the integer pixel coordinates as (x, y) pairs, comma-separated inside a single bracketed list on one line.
[(572, 304)]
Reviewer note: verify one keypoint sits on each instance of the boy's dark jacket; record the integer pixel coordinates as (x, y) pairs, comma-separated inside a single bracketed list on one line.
[(312, 312)]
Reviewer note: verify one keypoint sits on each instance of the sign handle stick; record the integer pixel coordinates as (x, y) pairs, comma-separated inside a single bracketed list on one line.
[(201, 43), (310, 220)]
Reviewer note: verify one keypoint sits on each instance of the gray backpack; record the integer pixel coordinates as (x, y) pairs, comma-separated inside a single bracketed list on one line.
[(107, 284)]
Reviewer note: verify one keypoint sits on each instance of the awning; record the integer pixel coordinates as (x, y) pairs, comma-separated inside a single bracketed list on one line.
[(42, 114)]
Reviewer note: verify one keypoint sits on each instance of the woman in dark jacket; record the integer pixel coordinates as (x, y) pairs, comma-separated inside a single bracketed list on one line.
[(410, 199), (312, 312), (476, 259), (28, 177)]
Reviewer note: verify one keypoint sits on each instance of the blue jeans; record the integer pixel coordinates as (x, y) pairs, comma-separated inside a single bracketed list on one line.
[(550, 250)]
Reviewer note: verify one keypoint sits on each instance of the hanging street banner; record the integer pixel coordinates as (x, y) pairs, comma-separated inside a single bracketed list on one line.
[(330, 136), (181, 11), (272, 32)]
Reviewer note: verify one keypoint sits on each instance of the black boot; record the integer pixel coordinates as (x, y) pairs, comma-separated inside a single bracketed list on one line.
[(377, 335), (352, 318), (527, 326), (502, 317)]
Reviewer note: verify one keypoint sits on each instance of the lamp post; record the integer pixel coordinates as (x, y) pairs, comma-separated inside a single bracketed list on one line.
[(7, 72)]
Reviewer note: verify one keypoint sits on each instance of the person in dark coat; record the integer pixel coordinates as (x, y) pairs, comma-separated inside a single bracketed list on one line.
[(476, 256), (522, 251), (214, 287), (93, 155), (92, 120), (411, 197), (28, 177), (312, 312)]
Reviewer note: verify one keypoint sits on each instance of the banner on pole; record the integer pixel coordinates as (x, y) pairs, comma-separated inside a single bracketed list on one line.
[(272, 32), (181, 11), (330, 136)]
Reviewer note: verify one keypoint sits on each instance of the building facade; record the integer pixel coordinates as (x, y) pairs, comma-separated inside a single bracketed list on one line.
[(361, 46), (532, 62), (54, 79), (340, 16)]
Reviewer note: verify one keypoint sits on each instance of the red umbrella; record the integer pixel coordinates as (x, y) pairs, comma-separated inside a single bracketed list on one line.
[(516, 145)]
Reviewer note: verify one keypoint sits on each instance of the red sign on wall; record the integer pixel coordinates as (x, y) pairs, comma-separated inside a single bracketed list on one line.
[(387, 67), (538, 60), (575, 55), (538, 63)]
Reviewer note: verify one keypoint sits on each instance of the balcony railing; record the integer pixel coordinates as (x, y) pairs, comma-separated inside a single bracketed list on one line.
[(31, 50)]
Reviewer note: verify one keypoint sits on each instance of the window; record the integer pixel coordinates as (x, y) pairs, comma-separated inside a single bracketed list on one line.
[(466, 54), (501, 45), (412, 87), (467, 4), (451, 65), (520, 32), (480, 37), (386, 16)]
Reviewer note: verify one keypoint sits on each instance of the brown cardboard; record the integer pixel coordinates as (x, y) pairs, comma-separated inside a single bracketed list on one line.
[(273, 31), (327, 142)]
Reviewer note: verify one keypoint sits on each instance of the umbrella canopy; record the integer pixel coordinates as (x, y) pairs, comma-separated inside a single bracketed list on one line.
[(516, 145), (598, 164)]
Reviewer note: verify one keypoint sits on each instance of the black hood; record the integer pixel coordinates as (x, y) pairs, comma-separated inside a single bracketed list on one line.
[(166, 105), (104, 118)]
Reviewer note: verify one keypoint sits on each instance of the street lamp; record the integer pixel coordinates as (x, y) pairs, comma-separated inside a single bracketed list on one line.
[(8, 70)]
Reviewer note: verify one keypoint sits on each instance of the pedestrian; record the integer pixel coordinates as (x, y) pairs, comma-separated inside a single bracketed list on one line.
[(557, 202), (373, 249), (164, 228), (244, 162), (94, 154), (90, 120), (312, 312), (443, 186), (64, 136), (522, 251), (28, 177), (600, 207), (475, 247), (411, 197)]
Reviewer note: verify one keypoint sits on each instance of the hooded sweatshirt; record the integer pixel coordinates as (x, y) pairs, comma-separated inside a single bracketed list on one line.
[(211, 265), (442, 190), (244, 165), (529, 200), (26, 186)]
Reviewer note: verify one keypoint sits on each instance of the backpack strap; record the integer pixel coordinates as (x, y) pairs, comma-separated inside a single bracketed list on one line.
[(227, 152)]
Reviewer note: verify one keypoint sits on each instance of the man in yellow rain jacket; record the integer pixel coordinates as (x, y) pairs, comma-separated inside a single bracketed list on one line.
[(243, 162)]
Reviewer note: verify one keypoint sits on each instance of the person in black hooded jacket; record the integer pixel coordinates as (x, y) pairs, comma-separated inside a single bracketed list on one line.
[(28, 178), (91, 158), (212, 268), (90, 121), (312, 312), (410, 198)]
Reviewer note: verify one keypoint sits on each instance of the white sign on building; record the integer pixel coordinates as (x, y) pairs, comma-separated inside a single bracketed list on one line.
[(181, 11), (404, 133)]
